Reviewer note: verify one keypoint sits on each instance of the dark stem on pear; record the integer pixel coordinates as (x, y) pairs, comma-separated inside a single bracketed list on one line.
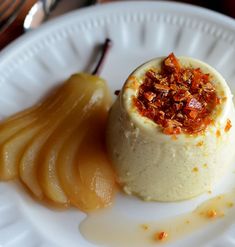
[(106, 47)]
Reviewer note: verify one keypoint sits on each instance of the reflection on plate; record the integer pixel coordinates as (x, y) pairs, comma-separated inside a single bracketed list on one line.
[(140, 31)]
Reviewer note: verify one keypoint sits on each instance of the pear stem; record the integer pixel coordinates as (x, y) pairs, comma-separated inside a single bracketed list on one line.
[(106, 47)]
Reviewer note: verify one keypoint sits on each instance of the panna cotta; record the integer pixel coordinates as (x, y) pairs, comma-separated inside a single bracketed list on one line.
[(170, 133)]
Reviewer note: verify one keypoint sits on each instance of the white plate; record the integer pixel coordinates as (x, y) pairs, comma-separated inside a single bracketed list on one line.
[(140, 31)]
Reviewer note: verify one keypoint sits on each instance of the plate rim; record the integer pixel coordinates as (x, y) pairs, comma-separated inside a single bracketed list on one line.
[(66, 20), (30, 36)]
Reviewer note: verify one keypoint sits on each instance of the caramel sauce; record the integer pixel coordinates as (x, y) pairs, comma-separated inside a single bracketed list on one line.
[(114, 229)]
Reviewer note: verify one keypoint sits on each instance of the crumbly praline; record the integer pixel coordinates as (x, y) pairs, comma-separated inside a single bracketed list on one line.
[(176, 98)]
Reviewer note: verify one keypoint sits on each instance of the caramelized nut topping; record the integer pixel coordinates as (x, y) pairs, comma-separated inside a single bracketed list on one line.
[(211, 213), (228, 125), (178, 99), (160, 236)]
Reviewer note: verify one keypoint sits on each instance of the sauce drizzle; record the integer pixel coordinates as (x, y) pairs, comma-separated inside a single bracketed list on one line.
[(111, 228)]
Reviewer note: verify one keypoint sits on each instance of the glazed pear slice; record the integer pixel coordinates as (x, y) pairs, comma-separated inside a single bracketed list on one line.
[(95, 177), (15, 123), (97, 189), (66, 166), (12, 148), (29, 161), (10, 152), (90, 93)]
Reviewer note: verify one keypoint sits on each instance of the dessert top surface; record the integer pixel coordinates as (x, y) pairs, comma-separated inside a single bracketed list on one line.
[(180, 95)]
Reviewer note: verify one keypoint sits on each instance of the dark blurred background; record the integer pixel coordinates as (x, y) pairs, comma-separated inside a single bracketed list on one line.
[(226, 7)]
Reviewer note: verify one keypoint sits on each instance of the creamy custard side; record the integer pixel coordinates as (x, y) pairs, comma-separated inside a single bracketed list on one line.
[(161, 167)]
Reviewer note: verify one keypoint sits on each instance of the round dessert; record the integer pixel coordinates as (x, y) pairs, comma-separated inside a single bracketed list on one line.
[(170, 132)]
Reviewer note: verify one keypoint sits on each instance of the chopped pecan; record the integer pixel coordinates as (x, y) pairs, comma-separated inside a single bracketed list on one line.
[(193, 114), (181, 95), (171, 63), (186, 76), (174, 87), (228, 125), (149, 95), (162, 87), (151, 75), (208, 87)]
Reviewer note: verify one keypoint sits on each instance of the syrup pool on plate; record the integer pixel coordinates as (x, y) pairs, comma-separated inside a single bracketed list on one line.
[(111, 228)]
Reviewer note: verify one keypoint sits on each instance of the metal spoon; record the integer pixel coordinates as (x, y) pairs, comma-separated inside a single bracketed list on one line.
[(38, 13), (44, 9)]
